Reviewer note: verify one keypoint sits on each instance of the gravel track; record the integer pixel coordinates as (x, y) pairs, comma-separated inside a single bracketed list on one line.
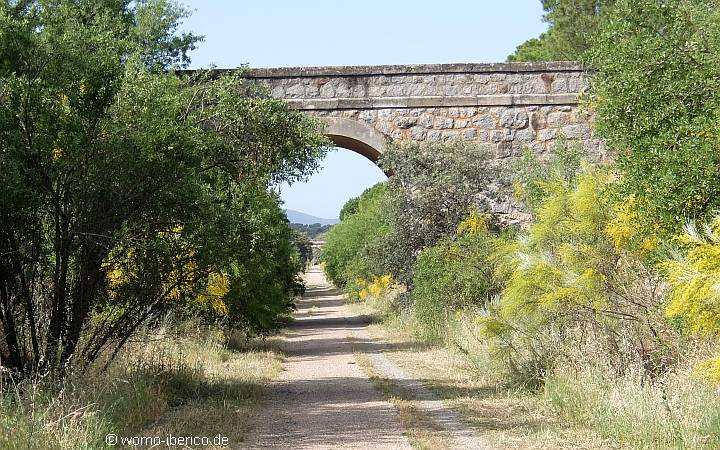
[(323, 399)]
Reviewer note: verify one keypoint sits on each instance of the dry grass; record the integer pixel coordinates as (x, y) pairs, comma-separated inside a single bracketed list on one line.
[(508, 420), (227, 397), (676, 410), (185, 383), (421, 430), (583, 404)]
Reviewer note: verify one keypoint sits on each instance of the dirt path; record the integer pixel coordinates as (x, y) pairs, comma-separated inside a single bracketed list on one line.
[(323, 399)]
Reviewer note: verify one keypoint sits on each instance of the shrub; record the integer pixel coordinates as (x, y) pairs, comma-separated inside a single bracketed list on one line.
[(454, 275), (656, 95), (433, 187), (349, 255), (565, 273), (694, 277), (673, 411)]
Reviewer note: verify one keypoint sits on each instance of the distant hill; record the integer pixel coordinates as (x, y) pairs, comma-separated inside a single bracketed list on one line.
[(306, 219)]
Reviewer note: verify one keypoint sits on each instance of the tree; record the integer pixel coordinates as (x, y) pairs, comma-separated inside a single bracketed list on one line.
[(573, 25), (127, 187), (567, 274), (433, 188), (350, 207), (455, 275), (352, 246), (657, 97), (302, 243), (534, 49)]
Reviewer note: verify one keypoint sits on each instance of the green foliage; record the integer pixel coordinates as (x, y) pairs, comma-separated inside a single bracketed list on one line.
[(534, 49), (657, 98), (454, 275), (351, 247), (573, 27), (534, 180), (350, 207), (433, 188), (312, 231), (127, 187), (262, 267), (301, 242)]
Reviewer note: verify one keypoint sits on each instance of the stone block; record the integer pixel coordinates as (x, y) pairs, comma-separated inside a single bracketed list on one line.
[(546, 134), (442, 123), (467, 111), (525, 136), (514, 119), (450, 135), (417, 133), (577, 131), (433, 136), (312, 91), (486, 122), (295, 91), (384, 127), (359, 90), (406, 122), (557, 119), (461, 123), (426, 121), (560, 86), (501, 135), (538, 121), (453, 112), (486, 89), (327, 90), (278, 91), (503, 150), (470, 135)]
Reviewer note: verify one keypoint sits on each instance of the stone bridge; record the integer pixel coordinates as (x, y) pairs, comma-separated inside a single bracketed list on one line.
[(507, 107)]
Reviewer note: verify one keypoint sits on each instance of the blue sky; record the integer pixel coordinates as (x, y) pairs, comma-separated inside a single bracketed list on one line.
[(283, 33)]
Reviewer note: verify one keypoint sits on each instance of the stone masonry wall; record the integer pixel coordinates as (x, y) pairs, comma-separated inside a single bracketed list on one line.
[(506, 107), (507, 131), (510, 107)]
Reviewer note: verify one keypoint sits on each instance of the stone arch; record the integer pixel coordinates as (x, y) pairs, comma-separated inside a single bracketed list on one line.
[(356, 136)]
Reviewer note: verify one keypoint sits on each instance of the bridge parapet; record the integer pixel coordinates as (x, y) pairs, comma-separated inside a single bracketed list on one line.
[(506, 106), (430, 85)]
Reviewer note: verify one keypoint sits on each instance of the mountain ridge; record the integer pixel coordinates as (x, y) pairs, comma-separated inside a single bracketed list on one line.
[(307, 219)]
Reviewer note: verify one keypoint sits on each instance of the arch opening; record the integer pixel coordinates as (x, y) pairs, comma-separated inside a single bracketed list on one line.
[(343, 174)]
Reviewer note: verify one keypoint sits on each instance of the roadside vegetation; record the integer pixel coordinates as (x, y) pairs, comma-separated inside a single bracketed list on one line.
[(188, 380), (605, 305), (136, 199)]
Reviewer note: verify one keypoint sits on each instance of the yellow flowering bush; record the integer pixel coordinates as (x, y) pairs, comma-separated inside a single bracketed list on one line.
[(213, 297), (375, 288), (569, 269), (623, 226), (475, 223), (695, 279), (709, 371)]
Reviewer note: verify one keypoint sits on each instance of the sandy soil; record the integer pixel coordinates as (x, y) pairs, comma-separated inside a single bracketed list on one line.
[(323, 399)]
